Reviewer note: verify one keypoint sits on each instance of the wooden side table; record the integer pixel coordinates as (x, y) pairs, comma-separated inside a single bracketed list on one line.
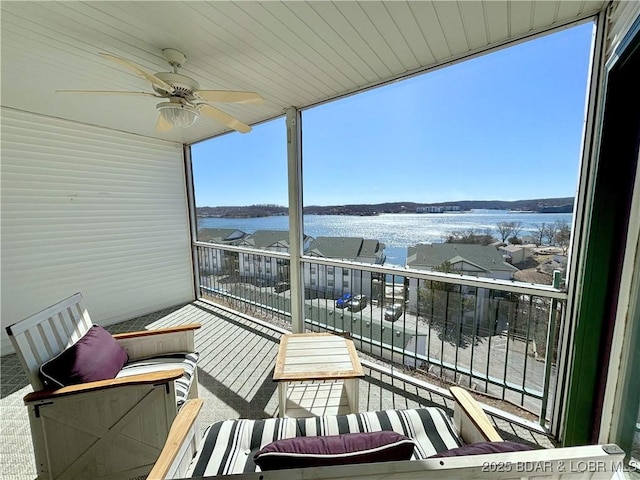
[(317, 374)]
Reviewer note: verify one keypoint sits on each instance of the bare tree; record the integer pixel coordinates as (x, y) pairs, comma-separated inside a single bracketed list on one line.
[(508, 229), (504, 229), (540, 230), (469, 236), (550, 233), (516, 228), (562, 235)]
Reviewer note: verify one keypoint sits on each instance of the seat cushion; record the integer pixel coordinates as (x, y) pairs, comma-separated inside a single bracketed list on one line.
[(229, 446), (167, 361), (95, 356), (324, 450)]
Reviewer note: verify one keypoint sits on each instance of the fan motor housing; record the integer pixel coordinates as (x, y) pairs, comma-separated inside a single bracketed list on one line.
[(184, 86), (175, 57)]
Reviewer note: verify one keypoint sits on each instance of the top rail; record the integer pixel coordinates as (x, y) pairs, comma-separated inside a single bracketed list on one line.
[(452, 278)]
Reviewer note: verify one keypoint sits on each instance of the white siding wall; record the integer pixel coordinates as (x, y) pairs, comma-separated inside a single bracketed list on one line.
[(623, 16), (90, 210)]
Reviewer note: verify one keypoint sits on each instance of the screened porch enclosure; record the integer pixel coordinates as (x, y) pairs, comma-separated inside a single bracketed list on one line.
[(95, 200)]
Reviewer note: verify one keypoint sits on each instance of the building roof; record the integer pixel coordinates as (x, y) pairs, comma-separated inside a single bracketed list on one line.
[(429, 256), (268, 238), (514, 248), (346, 248), (220, 235), (371, 248)]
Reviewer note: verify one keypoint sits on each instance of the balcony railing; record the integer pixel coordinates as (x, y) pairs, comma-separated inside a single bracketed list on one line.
[(494, 336)]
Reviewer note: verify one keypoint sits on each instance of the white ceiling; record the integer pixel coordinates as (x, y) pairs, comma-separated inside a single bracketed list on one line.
[(293, 53)]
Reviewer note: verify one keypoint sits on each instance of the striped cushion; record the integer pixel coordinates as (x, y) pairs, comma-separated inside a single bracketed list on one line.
[(167, 361), (228, 446)]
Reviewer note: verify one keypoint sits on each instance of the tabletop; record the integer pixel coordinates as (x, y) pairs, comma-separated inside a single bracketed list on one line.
[(316, 356)]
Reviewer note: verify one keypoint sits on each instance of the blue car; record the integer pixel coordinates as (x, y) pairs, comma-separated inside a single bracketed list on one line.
[(344, 300)]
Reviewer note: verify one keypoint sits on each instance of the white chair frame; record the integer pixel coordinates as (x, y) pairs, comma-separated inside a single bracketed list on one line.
[(106, 429), (590, 461)]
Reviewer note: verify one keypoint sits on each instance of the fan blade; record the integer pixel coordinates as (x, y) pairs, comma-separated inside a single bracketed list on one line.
[(228, 96), (109, 92), (140, 71), (226, 119), (162, 125)]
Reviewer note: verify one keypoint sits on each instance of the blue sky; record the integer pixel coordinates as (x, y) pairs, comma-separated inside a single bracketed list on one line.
[(504, 126)]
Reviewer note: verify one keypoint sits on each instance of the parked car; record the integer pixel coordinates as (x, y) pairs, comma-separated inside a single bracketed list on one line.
[(344, 300), (392, 312), (281, 287), (358, 303)]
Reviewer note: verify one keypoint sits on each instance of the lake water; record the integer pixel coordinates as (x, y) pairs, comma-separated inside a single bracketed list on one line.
[(396, 231)]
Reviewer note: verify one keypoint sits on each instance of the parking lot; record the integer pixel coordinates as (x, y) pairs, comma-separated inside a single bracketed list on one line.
[(224, 285), (372, 312), (497, 356)]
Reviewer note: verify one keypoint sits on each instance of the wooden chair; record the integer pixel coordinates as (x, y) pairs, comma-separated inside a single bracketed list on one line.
[(111, 428)]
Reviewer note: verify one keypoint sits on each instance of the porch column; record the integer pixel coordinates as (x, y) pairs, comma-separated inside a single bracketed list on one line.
[(296, 241)]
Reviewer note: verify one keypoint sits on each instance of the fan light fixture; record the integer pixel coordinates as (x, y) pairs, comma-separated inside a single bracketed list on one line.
[(178, 114)]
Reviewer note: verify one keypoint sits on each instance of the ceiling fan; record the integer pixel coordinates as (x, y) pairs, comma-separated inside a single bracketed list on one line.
[(183, 100)]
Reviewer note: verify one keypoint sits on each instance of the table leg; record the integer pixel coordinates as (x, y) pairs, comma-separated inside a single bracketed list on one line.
[(352, 388), (282, 398)]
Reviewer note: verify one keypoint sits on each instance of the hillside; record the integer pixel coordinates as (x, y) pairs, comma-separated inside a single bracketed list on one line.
[(563, 204)]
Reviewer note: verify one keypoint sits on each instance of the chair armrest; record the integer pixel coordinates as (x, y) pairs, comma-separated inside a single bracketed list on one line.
[(181, 444), (148, 343), (158, 331), (145, 378), (472, 423)]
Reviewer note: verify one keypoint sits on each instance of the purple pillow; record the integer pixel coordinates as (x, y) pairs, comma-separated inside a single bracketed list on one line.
[(96, 356), (348, 448), (482, 448)]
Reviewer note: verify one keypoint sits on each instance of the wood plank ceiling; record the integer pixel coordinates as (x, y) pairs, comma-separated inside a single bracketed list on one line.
[(293, 53)]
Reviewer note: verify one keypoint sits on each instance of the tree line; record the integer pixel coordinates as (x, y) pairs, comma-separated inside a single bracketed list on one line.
[(557, 234)]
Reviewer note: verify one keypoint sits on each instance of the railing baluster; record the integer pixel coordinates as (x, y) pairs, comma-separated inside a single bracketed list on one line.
[(548, 360), (474, 334), (506, 353), (526, 350), (492, 326), (245, 279)]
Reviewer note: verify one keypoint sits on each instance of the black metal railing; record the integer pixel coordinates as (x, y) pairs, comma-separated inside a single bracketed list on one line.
[(494, 336)]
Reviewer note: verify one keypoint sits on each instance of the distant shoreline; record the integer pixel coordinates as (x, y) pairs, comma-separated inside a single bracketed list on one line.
[(540, 205), (397, 231)]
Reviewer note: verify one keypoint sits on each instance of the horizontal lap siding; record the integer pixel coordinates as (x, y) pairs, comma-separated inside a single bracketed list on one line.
[(622, 20), (90, 210)]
